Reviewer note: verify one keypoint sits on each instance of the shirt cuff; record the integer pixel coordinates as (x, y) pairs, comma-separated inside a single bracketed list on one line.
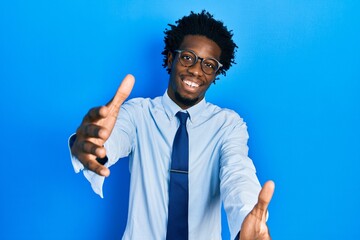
[(77, 165), (237, 236), (235, 225), (95, 180)]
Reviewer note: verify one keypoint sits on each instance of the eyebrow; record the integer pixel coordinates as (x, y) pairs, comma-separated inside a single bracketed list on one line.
[(187, 49)]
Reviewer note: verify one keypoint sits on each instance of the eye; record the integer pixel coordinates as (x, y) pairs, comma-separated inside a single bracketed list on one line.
[(210, 64), (187, 57)]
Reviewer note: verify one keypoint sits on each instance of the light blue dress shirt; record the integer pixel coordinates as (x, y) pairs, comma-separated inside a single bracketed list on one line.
[(219, 167)]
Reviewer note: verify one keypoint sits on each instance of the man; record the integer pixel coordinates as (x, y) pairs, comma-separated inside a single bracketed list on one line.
[(217, 167)]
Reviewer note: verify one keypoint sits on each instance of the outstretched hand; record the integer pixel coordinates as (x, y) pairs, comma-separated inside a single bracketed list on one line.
[(254, 226), (96, 128)]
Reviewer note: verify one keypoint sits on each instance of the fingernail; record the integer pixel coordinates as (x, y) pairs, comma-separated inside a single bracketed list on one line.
[(104, 172)]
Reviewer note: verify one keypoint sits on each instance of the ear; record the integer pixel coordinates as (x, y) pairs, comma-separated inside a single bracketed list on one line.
[(169, 60)]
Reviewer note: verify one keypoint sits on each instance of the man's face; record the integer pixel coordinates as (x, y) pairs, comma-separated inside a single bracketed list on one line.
[(188, 85)]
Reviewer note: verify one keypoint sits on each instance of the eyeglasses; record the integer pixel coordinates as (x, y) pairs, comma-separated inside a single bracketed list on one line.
[(188, 58)]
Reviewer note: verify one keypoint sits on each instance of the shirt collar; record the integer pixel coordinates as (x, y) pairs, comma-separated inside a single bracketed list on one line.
[(171, 108)]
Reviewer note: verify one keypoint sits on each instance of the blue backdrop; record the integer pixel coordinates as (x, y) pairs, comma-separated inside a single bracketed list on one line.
[(296, 84)]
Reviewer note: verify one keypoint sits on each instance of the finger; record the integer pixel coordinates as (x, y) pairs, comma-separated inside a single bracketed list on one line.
[(90, 163), (96, 167), (123, 91), (265, 196), (88, 147), (96, 114), (92, 131)]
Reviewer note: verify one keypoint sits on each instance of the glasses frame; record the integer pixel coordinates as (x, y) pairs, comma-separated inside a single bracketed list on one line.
[(197, 59)]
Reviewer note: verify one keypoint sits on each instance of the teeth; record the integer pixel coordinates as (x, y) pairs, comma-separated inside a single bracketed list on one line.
[(191, 84)]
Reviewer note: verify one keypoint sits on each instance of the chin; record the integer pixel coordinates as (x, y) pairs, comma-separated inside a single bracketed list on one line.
[(186, 101)]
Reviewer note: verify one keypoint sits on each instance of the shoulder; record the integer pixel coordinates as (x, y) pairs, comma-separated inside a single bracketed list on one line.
[(139, 103), (228, 122), (226, 114)]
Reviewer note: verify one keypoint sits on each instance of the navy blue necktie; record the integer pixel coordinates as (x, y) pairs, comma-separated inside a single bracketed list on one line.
[(177, 227)]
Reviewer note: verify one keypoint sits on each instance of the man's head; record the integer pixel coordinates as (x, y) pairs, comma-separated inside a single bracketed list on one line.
[(197, 50), (202, 24)]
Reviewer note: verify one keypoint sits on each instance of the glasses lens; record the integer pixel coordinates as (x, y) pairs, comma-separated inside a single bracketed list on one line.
[(209, 66), (187, 58)]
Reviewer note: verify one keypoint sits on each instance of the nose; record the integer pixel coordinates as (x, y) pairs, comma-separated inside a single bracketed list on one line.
[(196, 69)]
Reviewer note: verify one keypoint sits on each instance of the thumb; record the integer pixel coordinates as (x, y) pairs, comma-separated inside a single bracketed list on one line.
[(123, 91), (265, 196)]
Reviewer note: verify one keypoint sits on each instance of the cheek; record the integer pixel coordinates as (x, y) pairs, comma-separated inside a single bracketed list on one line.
[(209, 81), (204, 90), (174, 80), (208, 86)]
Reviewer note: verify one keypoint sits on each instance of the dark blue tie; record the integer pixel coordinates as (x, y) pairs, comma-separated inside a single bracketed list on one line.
[(177, 227)]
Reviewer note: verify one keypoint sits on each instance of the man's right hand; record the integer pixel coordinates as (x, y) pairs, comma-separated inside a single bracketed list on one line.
[(96, 128)]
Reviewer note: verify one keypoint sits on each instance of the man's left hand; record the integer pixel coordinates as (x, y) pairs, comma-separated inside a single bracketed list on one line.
[(254, 225)]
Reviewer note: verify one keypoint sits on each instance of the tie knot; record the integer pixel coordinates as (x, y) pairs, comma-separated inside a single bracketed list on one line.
[(182, 117)]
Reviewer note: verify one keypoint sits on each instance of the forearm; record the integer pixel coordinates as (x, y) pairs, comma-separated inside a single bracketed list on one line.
[(239, 184)]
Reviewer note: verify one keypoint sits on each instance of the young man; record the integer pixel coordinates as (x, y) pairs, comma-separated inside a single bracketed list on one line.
[(171, 199)]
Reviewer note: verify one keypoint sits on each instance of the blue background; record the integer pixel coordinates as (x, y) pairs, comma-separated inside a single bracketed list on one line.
[(296, 84)]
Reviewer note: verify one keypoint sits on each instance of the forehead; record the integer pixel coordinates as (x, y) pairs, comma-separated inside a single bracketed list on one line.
[(202, 46)]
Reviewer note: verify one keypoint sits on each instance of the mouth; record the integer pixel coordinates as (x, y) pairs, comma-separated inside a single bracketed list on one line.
[(191, 83)]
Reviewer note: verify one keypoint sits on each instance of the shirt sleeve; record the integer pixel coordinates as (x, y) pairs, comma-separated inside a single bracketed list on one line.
[(239, 184), (117, 146)]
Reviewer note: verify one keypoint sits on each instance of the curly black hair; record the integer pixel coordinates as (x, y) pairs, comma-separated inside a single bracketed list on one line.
[(202, 24)]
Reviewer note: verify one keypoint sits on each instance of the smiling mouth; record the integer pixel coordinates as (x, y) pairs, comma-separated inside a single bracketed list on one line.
[(191, 84)]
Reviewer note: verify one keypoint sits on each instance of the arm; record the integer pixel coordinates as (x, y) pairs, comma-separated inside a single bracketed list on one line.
[(240, 188), (239, 184)]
